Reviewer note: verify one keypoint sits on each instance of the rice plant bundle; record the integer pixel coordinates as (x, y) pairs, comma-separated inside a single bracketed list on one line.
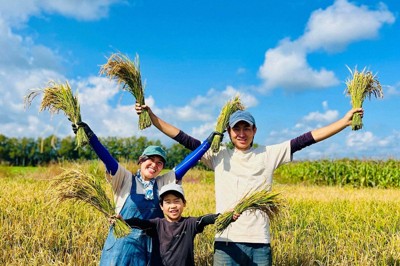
[(76, 185), (127, 72), (263, 200), (360, 86), (223, 119), (58, 97)]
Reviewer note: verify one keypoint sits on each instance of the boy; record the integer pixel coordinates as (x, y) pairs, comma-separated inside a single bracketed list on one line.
[(175, 233)]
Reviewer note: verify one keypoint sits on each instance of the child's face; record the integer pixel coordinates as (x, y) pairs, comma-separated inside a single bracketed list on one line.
[(172, 207)]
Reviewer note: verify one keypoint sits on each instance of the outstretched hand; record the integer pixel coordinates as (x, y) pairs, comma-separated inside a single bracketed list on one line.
[(349, 115), (140, 108), (112, 219), (235, 216), (86, 128), (213, 134)]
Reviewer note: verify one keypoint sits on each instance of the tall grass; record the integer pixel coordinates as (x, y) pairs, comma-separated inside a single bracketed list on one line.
[(321, 225)]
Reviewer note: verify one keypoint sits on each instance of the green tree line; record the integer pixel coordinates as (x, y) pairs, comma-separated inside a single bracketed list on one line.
[(43, 151)]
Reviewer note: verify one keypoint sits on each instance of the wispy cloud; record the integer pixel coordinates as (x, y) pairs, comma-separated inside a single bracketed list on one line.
[(19, 11)]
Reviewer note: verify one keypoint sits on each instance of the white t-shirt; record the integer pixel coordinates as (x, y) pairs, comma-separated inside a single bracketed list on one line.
[(121, 184), (236, 173)]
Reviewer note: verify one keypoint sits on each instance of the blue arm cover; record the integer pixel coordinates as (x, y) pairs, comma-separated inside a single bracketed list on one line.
[(192, 159), (109, 161)]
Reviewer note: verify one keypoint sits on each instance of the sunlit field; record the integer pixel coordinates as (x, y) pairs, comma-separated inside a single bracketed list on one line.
[(320, 225)]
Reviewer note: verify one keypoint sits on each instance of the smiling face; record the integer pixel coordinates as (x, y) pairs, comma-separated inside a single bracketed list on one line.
[(172, 206), (242, 135), (151, 167)]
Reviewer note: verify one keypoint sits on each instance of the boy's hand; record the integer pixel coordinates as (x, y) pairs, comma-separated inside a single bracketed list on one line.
[(235, 216), (113, 218)]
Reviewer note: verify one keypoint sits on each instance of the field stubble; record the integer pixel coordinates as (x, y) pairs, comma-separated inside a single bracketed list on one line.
[(320, 225)]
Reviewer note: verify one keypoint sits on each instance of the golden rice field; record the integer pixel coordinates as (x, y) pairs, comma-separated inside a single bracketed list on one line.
[(320, 225)]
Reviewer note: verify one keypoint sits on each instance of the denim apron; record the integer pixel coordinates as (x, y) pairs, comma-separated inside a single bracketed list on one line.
[(136, 248)]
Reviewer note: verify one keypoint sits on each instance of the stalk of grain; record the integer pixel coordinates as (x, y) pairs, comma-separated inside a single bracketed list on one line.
[(223, 119), (263, 200), (126, 72), (58, 97), (82, 187), (360, 86)]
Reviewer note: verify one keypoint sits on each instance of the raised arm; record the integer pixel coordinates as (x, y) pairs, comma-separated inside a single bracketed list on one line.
[(320, 134), (330, 130), (104, 155), (171, 131), (163, 126), (192, 159)]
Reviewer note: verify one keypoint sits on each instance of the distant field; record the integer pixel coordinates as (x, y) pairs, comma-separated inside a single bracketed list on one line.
[(321, 225)]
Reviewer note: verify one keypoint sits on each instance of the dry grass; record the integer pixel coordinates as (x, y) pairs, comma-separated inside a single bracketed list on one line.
[(320, 225), (223, 119), (127, 72), (263, 200), (81, 186), (360, 86), (59, 97)]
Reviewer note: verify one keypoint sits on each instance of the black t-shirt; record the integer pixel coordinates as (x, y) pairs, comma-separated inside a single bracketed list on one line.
[(175, 238)]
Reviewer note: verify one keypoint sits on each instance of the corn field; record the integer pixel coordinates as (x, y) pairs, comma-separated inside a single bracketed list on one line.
[(320, 225), (356, 173)]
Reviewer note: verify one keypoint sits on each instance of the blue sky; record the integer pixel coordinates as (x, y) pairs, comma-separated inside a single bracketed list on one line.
[(287, 61)]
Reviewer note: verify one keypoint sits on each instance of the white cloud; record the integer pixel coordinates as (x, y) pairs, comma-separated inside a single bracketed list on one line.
[(286, 66), (342, 23), (392, 90), (326, 117), (26, 65), (332, 29), (364, 141), (199, 116), (18, 12)]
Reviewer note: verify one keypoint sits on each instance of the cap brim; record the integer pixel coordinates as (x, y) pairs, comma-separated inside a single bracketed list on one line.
[(237, 121)]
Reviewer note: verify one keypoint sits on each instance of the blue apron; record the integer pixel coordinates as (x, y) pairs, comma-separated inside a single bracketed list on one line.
[(136, 248)]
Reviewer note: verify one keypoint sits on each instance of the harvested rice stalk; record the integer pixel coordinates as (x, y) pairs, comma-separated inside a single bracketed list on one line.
[(263, 200), (127, 72), (360, 86), (223, 119), (58, 97), (76, 185)]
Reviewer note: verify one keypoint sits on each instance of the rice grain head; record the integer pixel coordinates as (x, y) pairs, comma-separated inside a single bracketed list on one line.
[(81, 187), (127, 73), (59, 97), (262, 200), (223, 119), (360, 86)]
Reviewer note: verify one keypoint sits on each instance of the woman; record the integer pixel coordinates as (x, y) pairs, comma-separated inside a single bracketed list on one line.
[(136, 196)]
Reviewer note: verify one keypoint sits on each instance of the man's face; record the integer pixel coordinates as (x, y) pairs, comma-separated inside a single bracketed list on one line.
[(242, 135), (172, 207)]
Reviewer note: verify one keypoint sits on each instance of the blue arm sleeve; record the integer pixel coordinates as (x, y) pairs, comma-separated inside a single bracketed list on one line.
[(192, 159), (104, 155)]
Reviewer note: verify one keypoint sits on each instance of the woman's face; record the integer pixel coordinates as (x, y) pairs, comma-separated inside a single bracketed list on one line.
[(152, 167)]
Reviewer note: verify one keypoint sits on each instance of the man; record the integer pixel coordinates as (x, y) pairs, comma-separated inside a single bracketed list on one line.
[(237, 170)]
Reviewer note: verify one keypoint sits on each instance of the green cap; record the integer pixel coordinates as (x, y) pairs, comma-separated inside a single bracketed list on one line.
[(155, 150)]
